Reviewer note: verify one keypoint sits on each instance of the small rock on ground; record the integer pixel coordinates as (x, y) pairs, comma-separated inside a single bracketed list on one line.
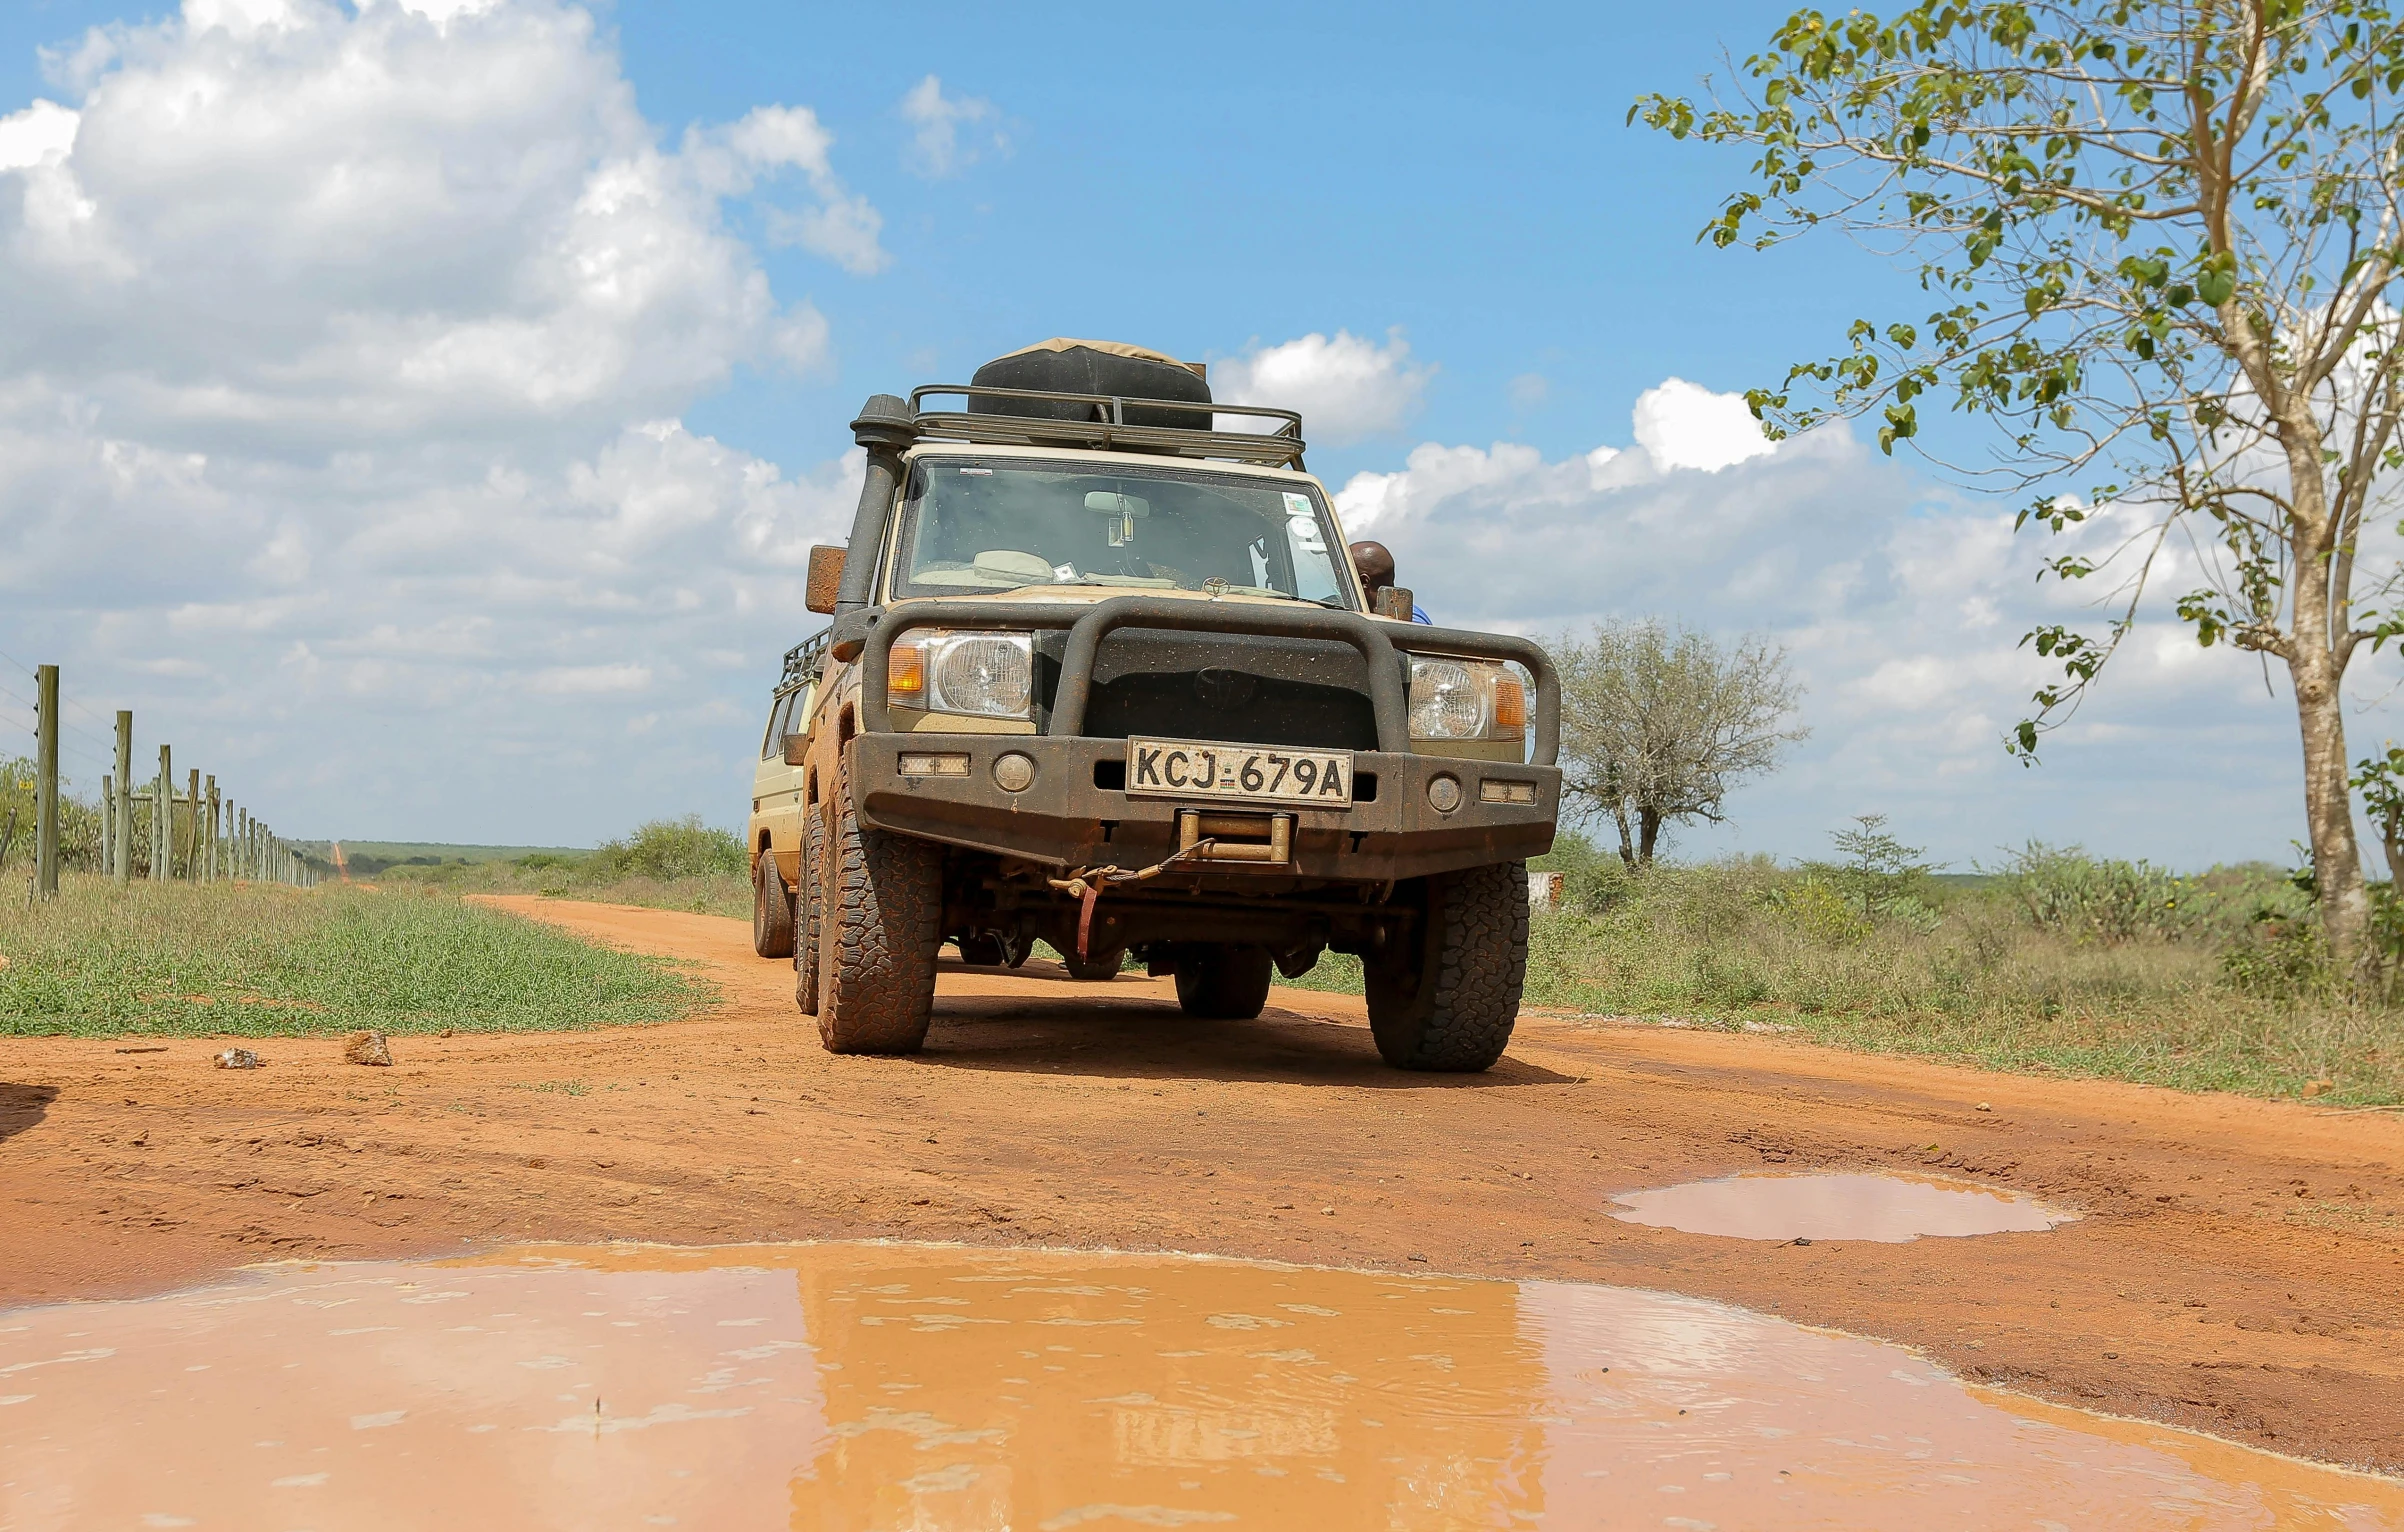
[(366, 1048), (237, 1058)]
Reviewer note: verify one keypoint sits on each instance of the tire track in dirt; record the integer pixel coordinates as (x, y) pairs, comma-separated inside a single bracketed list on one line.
[(2235, 1269)]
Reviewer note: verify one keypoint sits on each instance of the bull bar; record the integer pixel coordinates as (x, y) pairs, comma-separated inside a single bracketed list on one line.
[(1089, 623)]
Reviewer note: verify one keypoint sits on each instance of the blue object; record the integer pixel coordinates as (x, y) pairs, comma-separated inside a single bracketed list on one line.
[(1419, 614)]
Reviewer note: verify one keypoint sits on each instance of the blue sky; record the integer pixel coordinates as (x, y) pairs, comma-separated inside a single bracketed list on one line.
[(554, 618)]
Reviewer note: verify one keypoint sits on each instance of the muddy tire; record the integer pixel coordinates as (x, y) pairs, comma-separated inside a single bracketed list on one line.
[(1015, 949), (982, 950), (1222, 981), (771, 909), (810, 917), (1094, 969), (1448, 1000), (881, 927)]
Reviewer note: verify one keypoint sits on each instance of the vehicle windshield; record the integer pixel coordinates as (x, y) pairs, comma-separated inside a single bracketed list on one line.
[(971, 524)]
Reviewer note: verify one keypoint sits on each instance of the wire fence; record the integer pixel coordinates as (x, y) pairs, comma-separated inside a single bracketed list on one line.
[(157, 828)]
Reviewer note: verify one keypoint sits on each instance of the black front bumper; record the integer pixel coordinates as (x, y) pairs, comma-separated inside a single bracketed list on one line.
[(1065, 818)]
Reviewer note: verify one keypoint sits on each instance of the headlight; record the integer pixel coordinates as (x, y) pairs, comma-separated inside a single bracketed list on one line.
[(984, 675), (1466, 699)]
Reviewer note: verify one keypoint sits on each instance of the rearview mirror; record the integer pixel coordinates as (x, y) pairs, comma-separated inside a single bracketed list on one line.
[(797, 749), (1117, 505), (826, 577)]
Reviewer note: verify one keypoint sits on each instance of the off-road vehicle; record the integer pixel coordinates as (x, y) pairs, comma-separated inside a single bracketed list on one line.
[(1101, 672)]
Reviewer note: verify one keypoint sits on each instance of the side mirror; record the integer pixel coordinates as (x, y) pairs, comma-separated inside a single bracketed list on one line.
[(797, 749), (1392, 601), (826, 577)]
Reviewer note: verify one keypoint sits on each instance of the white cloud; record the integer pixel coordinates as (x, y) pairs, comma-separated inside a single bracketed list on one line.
[(937, 148), (1686, 426), (1346, 387), (43, 131), (342, 358), (1903, 609)]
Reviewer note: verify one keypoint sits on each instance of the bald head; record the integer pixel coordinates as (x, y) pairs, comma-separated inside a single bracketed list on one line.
[(1375, 564)]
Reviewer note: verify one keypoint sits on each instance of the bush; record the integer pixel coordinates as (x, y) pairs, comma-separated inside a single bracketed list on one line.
[(667, 849)]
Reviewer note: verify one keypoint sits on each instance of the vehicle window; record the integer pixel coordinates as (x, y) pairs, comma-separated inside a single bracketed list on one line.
[(780, 713), (1005, 524)]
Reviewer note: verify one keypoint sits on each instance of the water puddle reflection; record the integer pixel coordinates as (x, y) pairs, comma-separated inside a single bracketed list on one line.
[(1884, 1208), (848, 1386)]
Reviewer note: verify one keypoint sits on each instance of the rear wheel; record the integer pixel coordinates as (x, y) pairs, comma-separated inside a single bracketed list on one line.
[(882, 925), (1448, 999), (1094, 969), (1220, 981), (982, 949), (771, 909), (810, 919)]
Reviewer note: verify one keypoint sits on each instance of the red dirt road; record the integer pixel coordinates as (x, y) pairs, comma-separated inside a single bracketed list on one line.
[(2236, 1268)]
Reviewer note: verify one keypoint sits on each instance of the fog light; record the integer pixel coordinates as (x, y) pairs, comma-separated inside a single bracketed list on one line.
[(943, 765), (1014, 773), (1491, 791), (1444, 794)]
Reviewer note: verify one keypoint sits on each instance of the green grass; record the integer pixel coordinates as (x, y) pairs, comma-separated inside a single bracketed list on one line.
[(704, 893), (179, 960), (1974, 973), (667, 864)]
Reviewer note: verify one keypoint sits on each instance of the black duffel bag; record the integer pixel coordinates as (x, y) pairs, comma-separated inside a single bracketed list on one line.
[(1106, 367)]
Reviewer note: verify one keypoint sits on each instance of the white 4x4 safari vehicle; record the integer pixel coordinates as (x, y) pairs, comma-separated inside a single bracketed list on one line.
[(1100, 672)]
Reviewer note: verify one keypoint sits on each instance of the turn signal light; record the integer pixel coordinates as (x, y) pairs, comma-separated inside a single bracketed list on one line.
[(906, 672), (1510, 707)]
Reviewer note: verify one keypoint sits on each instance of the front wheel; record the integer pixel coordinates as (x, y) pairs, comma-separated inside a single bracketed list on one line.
[(1448, 998), (771, 909), (1220, 981), (810, 919), (882, 926)]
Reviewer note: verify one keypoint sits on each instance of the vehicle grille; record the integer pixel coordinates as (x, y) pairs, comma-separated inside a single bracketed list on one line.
[(1251, 690)]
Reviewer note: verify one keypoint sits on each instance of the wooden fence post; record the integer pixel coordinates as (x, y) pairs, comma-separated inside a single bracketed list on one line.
[(192, 841), (122, 869), (212, 867), (45, 791), (108, 824), (162, 815)]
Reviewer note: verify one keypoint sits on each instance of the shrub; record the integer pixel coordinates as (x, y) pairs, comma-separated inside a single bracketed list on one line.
[(671, 848)]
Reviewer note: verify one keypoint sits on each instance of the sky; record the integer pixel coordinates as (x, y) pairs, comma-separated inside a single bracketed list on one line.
[(419, 411)]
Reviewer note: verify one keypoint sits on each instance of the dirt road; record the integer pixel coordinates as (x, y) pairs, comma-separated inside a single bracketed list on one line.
[(2236, 1266)]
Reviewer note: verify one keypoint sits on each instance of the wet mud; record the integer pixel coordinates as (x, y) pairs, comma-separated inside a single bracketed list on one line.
[(850, 1385), (2233, 1268), (1887, 1209)]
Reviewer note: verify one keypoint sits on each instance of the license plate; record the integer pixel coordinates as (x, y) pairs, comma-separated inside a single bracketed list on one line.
[(1185, 768)]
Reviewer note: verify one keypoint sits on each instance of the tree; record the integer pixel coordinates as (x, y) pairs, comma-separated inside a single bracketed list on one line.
[(1658, 726), (2161, 243), (1878, 869), (2381, 781)]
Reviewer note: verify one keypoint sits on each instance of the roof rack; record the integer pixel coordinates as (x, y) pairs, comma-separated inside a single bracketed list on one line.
[(1278, 448), (803, 659)]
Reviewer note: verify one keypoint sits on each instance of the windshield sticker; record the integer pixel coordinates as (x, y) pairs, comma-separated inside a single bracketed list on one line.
[(1297, 506), (985, 472)]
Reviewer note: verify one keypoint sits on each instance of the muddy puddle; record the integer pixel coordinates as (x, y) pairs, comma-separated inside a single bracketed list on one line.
[(1881, 1207), (856, 1386)]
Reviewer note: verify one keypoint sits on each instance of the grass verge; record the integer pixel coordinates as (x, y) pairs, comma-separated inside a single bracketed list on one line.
[(184, 961), (1989, 976)]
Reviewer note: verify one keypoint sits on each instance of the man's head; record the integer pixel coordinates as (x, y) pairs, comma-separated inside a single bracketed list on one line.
[(1375, 564)]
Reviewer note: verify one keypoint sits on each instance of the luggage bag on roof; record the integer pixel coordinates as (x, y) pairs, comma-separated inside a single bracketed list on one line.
[(1068, 366)]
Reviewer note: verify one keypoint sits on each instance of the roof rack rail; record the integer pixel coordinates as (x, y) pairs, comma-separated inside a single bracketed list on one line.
[(803, 659), (1278, 448)]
